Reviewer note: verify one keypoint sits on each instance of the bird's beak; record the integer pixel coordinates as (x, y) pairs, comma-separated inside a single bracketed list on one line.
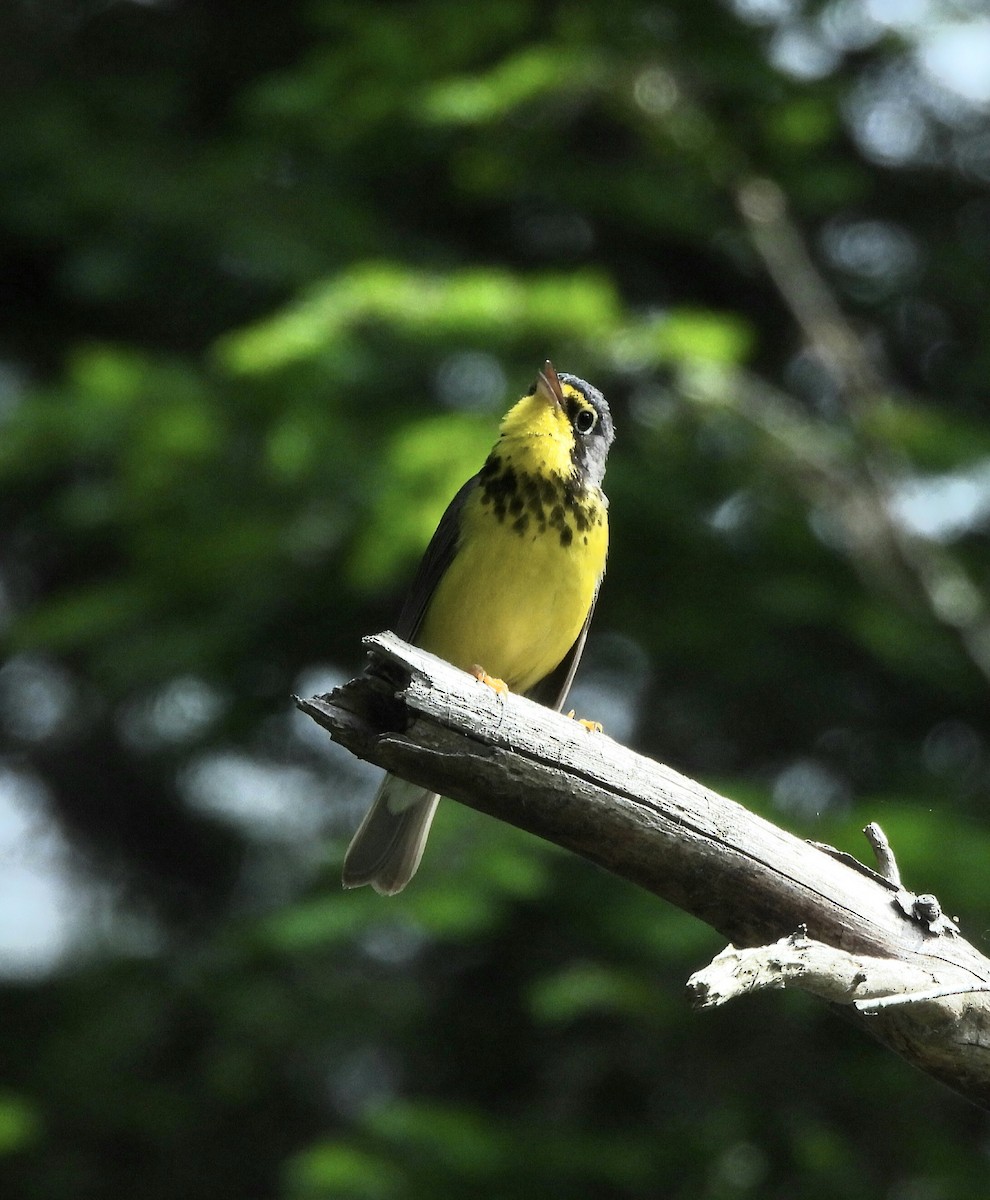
[(548, 386)]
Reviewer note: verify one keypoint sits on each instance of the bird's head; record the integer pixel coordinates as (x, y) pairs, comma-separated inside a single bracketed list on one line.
[(570, 423)]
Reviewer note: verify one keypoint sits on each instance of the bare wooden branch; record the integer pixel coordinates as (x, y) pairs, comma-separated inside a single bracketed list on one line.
[(814, 967), (886, 862), (421, 718)]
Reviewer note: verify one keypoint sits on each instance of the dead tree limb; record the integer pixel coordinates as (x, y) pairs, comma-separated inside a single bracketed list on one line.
[(862, 938)]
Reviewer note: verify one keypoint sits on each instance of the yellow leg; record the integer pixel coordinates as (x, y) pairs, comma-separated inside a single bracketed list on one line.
[(499, 686), (591, 726)]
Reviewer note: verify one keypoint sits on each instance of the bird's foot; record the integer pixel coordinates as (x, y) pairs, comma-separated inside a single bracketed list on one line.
[(591, 726), (498, 686)]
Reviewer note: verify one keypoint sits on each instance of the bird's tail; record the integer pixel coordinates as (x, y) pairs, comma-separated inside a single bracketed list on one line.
[(389, 843)]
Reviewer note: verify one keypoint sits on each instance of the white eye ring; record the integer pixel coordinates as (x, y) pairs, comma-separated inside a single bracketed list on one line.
[(586, 420)]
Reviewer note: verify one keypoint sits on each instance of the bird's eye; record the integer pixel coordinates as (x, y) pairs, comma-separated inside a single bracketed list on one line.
[(586, 420)]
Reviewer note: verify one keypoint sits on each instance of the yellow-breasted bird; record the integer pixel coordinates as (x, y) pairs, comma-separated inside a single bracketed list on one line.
[(508, 583)]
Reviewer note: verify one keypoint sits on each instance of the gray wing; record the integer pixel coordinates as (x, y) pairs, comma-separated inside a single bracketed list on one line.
[(434, 563), (388, 845), (553, 688)]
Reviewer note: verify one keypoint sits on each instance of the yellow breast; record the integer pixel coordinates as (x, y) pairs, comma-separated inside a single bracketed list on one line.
[(530, 557)]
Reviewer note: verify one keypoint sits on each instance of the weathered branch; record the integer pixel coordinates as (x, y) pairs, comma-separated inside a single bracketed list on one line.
[(423, 719), (835, 975)]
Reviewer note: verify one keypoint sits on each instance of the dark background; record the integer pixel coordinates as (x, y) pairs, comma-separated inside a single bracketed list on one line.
[(269, 274)]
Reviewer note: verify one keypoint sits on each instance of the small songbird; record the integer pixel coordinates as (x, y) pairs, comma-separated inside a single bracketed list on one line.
[(507, 586)]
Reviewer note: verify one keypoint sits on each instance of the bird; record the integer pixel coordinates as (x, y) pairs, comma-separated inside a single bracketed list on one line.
[(506, 588)]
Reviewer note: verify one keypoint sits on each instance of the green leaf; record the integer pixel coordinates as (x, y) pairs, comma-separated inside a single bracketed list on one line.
[(20, 1123), (336, 1170), (538, 71)]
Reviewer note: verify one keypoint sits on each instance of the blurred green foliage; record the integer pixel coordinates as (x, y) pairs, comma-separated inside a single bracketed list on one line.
[(271, 274)]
